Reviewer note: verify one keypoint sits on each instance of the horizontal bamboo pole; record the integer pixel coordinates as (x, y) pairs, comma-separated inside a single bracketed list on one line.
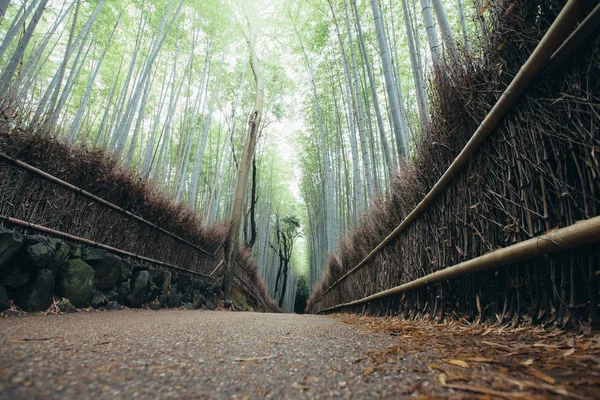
[(100, 200), (580, 234), (554, 37), (588, 26), (50, 231)]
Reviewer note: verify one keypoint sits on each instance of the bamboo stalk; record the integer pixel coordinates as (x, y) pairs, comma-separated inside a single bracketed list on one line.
[(583, 31), (44, 229), (581, 233), (552, 40), (100, 200)]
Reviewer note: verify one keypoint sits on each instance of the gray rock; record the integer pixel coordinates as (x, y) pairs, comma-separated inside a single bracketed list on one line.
[(163, 299), (75, 282), (37, 295), (173, 289), (123, 292), (174, 300), (61, 253), (10, 245), (182, 281), (126, 271), (93, 255), (166, 283), (111, 295), (139, 283), (65, 306), (210, 305), (14, 277), (157, 276), (75, 250), (198, 299), (200, 285), (39, 253), (113, 306), (216, 288), (4, 304), (189, 306), (107, 271), (139, 267), (98, 299), (152, 292), (155, 305)]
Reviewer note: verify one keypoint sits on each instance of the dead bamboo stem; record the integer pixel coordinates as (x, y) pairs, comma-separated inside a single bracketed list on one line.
[(580, 234)]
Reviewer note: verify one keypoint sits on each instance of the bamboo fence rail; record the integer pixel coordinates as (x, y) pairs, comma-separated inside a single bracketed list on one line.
[(556, 35), (579, 234)]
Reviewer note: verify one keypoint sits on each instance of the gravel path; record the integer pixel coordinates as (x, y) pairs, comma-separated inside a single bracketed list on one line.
[(198, 354)]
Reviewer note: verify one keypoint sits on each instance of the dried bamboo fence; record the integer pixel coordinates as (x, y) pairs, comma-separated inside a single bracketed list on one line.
[(36, 201), (538, 171)]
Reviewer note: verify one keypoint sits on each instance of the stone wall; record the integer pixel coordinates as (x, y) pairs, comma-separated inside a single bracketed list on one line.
[(37, 272)]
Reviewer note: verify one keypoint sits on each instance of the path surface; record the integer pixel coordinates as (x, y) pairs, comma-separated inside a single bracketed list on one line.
[(224, 355), (172, 353)]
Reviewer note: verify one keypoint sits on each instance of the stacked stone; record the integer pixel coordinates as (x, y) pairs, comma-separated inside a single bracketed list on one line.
[(36, 270)]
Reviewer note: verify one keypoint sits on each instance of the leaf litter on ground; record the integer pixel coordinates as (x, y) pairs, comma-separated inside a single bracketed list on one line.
[(484, 360)]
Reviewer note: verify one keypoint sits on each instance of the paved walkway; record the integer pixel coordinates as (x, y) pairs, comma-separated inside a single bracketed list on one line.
[(192, 354), (223, 355)]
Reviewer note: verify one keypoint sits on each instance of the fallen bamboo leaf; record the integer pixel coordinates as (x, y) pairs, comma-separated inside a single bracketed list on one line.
[(527, 362), (497, 345), (368, 371), (474, 389), (487, 331), (435, 366), (481, 360), (458, 363), (541, 376), (547, 346), (237, 359), (442, 378), (569, 352), (26, 340)]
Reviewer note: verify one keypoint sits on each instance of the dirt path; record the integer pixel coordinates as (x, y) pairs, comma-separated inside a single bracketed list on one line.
[(198, 354)]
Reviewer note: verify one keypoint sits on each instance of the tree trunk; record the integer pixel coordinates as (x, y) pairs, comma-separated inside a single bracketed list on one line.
[(231, 248), (15, 26), (461, 15), (384, 142), (3, 6), (12, 64), (432, 39), (417, 69), (447, 35), (399, 131)]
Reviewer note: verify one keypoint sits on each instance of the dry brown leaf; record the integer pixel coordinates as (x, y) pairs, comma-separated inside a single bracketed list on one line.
[(569, 352), (368, 371), (458, 363), (435, 366), (482, 390), (481, 360), (542, 376), (442, 378)]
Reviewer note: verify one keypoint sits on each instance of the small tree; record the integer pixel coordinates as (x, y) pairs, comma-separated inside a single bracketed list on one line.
[(286, 233)]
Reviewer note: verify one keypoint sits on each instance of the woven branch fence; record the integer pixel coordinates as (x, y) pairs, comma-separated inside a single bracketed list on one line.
[(36, 199), (537, 172)]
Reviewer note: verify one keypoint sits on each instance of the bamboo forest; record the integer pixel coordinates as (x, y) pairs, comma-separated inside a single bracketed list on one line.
[(417, 168)]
